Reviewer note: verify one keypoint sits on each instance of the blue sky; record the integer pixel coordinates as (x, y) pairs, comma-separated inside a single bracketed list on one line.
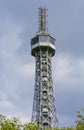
[(18, 24)]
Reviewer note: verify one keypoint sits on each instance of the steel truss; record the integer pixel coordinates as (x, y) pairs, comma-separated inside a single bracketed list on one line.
[(44, 110)]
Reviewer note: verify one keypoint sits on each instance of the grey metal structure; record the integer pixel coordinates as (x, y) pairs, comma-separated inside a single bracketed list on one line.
[(43, 49)]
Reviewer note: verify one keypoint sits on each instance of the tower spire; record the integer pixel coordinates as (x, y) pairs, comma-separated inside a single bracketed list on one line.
[(42, 20)]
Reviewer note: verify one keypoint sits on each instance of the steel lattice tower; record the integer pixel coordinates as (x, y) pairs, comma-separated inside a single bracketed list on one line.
[(43, 49)]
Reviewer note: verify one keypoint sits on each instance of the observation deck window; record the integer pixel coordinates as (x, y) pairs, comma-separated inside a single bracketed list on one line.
[(35, 40), (42, 38)]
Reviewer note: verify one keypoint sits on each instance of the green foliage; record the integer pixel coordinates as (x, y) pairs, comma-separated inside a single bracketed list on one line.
[(80, 121), (31, 126), (7, 124)]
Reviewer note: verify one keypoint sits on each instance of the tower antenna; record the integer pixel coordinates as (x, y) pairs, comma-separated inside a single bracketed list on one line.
[(42, 20)]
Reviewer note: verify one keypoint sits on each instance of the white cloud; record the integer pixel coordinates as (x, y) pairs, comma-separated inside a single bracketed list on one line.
[(9, 38), (63, 68), (5, 103), (26, 70), (68, 70)]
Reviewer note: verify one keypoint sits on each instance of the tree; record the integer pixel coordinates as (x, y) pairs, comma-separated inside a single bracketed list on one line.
[(7, 124), (30, 126), (80, 121)]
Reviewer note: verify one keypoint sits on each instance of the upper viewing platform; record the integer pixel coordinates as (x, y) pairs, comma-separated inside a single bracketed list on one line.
[(43, 40)]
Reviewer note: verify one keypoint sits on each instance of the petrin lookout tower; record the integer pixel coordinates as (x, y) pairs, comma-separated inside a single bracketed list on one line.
[(43, 49)]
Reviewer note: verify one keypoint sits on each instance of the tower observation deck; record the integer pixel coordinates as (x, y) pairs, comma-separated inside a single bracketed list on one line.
[(43, 49)]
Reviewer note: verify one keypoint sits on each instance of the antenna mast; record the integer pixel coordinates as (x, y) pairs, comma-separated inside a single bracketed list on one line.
[(42, 20)]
